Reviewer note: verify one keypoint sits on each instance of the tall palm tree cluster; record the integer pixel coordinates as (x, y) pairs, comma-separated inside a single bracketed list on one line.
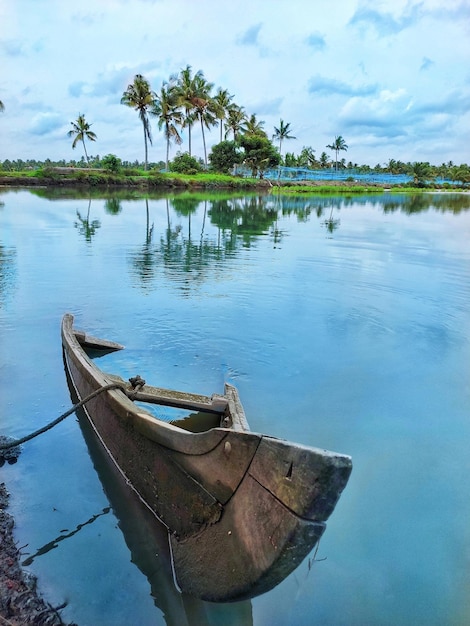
[(184, 100), (187, 99)]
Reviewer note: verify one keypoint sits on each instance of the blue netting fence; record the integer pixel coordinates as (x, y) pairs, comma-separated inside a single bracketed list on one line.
[(296, 174)]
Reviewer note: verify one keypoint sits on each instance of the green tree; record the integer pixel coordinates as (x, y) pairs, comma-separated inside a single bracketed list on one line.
[(111, 163), (260, 154), (81, 130), (391, 166), (324, 160), (337, 145), (223, 101), (204, 106), (307, 157), (290, 160), (235, 119), (186, 92), (460, 173), (282, 133), (185, 164), (252, 126), (165, 108), (421, 173), (224, 156), (140, 97)]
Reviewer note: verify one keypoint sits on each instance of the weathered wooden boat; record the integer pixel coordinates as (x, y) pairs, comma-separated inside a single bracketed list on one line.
[(242, 509)]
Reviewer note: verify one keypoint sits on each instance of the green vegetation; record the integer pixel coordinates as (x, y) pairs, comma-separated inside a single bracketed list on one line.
[(111, 163), (328, 189), (81, 131), (140, 97), (224, 156), (260, 154), (185, 164), (187, 98), (337, 145), (165, 108), (187, 172)]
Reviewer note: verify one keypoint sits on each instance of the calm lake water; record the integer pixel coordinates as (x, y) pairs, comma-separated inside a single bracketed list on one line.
[(345, 324)]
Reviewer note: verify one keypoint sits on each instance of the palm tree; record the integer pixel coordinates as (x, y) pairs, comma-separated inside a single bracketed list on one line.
[(165, 108), (421, 173), (252, 126), (81, 130), (391, 166), (204, 106), (186, 92), (235, 119), (324, 160), (282, 133), (307, 157), (140, 97), (223, 100), (337, 145)]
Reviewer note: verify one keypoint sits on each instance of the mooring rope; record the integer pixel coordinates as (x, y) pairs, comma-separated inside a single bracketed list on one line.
[(36, 433)]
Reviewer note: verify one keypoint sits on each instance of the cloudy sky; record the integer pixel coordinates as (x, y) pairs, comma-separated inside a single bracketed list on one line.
[(391, 77)]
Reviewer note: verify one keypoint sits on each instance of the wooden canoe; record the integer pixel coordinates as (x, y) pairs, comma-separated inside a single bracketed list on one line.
[(242, 509)]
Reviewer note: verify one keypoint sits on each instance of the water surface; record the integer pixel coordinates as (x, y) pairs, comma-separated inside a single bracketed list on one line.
[(344, 322)]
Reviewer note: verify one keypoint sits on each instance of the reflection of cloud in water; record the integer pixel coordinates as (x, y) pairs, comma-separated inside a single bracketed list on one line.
[(7, 272)]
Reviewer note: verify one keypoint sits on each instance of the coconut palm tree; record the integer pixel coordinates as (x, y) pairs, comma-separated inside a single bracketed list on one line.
[(235, 119), (421, 173), (307, 157), (140, 97), (81, 130), (337, 145), (165, 108), (324, 160), (186, 92), (252, 126), (282, 133), (204, 106), (223, 101)]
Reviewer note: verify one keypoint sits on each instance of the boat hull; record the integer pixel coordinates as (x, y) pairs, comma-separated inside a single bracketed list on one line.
[(242, 509)]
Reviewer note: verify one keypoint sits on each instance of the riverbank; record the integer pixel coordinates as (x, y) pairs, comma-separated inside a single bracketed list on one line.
[(20, 601), (157, 181)]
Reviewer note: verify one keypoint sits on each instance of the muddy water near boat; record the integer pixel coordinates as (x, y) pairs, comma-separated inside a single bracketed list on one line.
[(343, 322)]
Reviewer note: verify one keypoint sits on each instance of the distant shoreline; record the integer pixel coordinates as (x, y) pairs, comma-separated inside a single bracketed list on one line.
[(154, 181)]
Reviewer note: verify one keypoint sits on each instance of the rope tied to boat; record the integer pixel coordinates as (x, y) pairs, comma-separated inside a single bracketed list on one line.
[(6, 443), (137, 382)]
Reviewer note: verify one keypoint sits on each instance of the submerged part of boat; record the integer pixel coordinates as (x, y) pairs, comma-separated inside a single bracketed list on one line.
[(242, 509)]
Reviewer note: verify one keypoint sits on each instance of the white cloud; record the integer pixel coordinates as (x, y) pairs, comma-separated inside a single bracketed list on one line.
[(393, 69), (45, 123)]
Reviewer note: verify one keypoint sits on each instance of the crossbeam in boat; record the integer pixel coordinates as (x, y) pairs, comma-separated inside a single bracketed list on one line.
[(178, 399)]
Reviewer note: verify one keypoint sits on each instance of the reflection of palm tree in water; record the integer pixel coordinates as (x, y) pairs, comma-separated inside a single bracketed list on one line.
[(85, 227), (330, 223), (144, 259)]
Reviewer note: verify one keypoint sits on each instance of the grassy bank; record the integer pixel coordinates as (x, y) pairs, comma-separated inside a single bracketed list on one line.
[(71, 177), (154, 180)]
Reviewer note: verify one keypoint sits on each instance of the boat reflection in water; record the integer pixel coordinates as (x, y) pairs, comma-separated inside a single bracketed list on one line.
[(147, 540)]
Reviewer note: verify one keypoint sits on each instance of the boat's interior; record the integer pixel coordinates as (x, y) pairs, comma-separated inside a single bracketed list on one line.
[(196, 422)]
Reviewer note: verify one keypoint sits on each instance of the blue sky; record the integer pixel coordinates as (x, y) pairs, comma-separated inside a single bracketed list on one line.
[(391, 77)]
